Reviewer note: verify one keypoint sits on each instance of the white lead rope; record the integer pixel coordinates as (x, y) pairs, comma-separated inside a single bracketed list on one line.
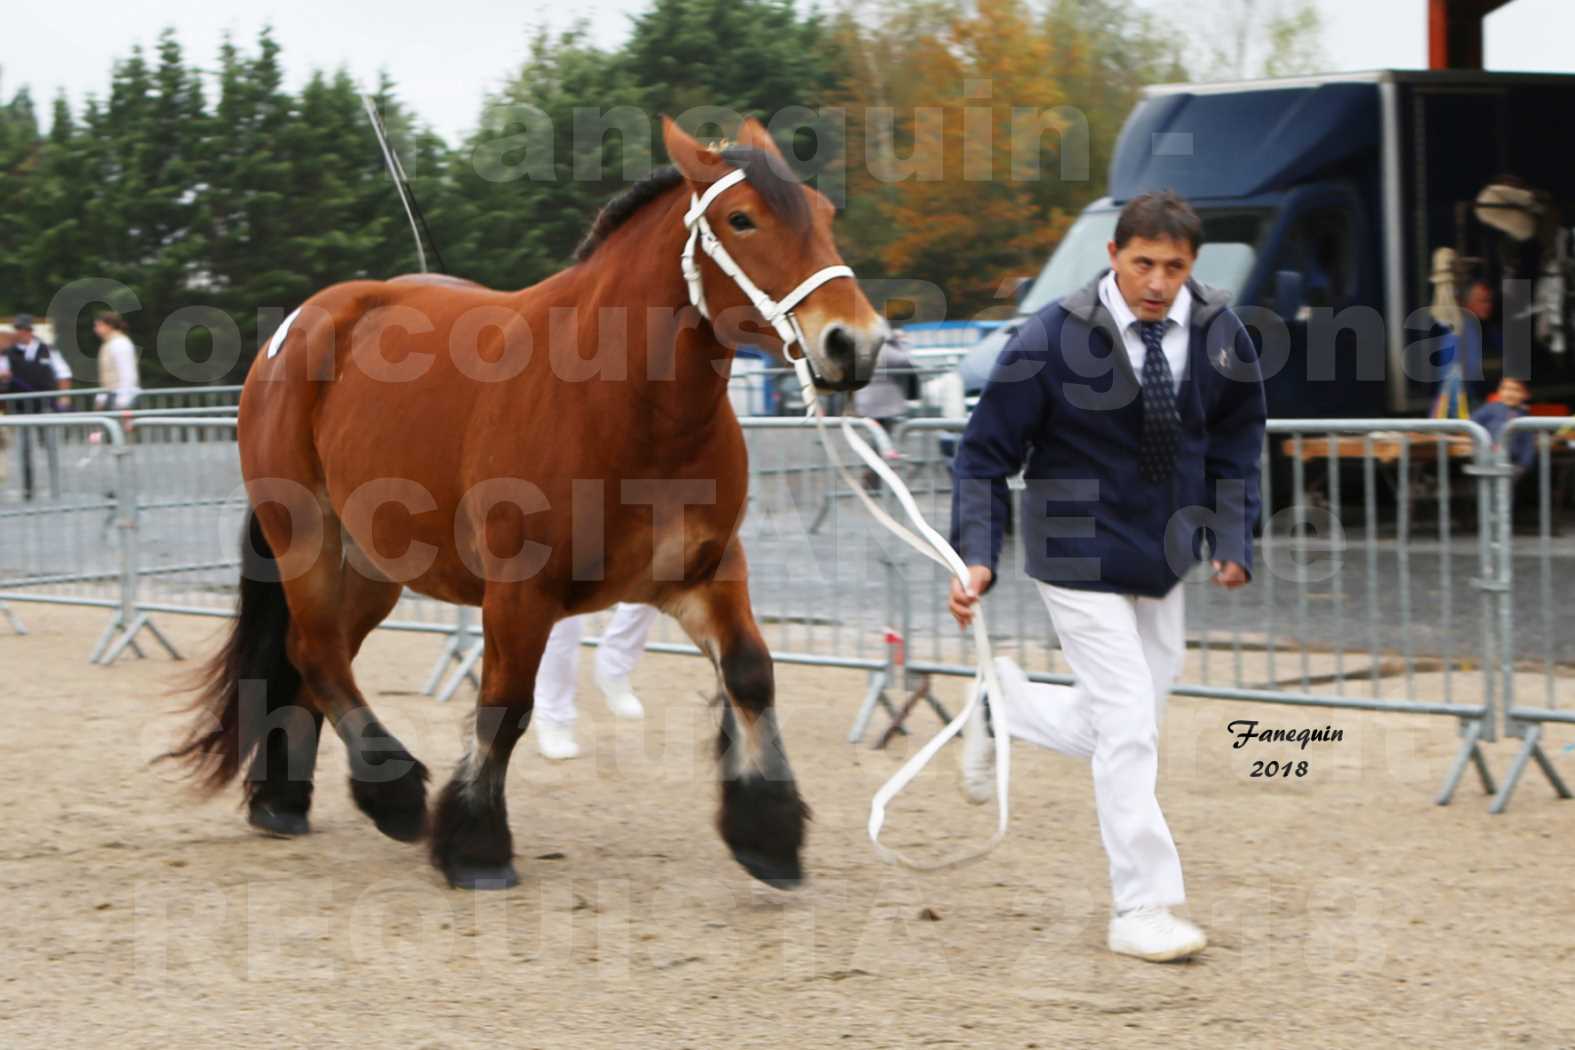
[(928, 542), (933, 546)]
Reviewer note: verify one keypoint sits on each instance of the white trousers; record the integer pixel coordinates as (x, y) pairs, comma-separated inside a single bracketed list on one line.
[(559, 673), (1124, 653)]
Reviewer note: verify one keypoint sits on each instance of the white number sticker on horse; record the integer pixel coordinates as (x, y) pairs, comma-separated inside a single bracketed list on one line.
[(284, 330)]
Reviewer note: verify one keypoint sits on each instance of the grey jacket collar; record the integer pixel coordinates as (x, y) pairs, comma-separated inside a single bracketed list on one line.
[(1084, 304)]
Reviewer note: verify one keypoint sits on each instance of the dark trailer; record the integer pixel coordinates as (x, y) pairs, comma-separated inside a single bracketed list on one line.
[(1324, 200)]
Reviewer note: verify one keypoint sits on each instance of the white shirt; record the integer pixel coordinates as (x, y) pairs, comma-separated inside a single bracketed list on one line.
[(124, 355), (1173, 342), (30, 351)]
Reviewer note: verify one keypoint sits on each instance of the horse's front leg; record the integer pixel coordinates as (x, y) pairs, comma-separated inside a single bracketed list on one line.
[(471, 843), (762, 817)]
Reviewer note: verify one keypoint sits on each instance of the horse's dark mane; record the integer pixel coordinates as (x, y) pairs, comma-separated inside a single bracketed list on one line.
[(769, 176)]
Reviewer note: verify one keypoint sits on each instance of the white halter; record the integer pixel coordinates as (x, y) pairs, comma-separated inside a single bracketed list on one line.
[(777, 314), (925, 540)]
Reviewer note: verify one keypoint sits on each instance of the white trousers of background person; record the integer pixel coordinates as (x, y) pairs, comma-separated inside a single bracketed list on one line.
[(559, 673), (1124, 653)]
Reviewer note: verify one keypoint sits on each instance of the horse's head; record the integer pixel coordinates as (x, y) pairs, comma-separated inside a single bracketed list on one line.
[(777, 234)]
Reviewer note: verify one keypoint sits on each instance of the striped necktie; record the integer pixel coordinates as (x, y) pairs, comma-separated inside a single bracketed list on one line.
[(1161, 419)]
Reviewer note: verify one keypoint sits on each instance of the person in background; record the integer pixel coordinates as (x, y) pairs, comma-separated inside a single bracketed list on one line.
[(885, 399), (1481, 341), (35, 368), (557, 676), (1496, 415), (7, 337), (117, 363)]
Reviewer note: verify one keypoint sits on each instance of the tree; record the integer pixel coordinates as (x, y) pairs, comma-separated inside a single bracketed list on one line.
[(757, 58), (1295, 43), (246, 180), (889, 46), (1102, 55), (960, 136), (976, 133), (526, 185), (58, 245), (144, 209), (1243, 38), (982, 216), (297, 193), (19, 147)]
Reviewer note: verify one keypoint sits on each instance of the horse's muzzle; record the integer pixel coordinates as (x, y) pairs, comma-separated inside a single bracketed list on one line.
[(850, 353)]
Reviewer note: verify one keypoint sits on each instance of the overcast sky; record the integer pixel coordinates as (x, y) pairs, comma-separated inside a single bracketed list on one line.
[(444, 64)]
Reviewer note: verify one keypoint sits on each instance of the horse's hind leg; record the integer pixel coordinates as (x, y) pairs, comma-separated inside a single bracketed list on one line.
[(279, 783), (762, 817), (471, 843), (332, 607)]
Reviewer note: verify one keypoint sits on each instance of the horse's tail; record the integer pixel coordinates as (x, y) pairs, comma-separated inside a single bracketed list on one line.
[(229, 712)]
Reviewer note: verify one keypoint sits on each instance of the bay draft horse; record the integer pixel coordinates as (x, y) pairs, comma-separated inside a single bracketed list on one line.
[(403, 433)]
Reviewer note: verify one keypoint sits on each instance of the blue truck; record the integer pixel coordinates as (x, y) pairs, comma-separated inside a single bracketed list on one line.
[(1325, 200)]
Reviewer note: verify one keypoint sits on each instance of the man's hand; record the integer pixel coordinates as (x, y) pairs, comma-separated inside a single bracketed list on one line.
[(1229, 575), (961, 601)]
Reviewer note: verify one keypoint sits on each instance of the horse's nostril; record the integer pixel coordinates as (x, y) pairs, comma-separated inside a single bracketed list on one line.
[(876, 344), (840, 345)]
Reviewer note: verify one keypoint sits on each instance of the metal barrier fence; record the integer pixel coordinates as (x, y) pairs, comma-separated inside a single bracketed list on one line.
[(1393, 621), (191, 518), (35, 453), (757, 391), (1536, 641), (74, 541), (85, 399), (816, 570), (1383, 583), (931, 335)]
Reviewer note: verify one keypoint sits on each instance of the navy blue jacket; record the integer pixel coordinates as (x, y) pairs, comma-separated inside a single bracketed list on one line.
[(1064, 398)]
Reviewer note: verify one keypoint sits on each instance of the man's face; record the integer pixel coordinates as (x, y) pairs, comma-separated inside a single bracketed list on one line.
[(1512, 393), (1479, 300), (1151, 273)]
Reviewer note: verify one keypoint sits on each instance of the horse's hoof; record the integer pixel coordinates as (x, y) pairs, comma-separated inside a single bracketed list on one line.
[(776, 872), (398, 807), (280, 823), (482, 877), (402, 825)]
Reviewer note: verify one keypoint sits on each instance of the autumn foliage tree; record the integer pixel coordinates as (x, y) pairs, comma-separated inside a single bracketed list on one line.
[(977, 131), (959, 138)]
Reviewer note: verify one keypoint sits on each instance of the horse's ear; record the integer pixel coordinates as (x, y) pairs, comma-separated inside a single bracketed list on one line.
[(698, 164), (752, 133)]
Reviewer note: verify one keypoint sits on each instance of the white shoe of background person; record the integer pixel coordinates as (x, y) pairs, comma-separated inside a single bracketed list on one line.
[(621, 700), (555, 740), (1151, 932)]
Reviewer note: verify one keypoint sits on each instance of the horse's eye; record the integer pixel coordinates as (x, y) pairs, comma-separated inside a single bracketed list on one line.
[(739, 221)]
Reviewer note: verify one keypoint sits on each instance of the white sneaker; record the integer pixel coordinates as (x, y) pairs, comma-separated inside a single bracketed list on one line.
[(978, 783), (555, 740), (621, 700), (1152, 933)]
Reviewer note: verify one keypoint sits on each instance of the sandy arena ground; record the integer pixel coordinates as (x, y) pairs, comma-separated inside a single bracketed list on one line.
[(1344, 908)]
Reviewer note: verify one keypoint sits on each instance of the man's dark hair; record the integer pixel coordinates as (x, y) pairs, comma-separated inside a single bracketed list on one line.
[(1156, 216), (114, 320)]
